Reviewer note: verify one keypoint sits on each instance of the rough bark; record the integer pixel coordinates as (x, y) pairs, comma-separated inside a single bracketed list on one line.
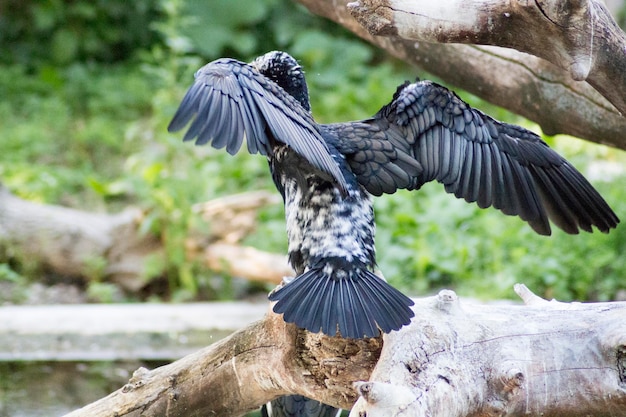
[(455, 359), (545, 358), (532, 87), (73, 243), (267, 359)]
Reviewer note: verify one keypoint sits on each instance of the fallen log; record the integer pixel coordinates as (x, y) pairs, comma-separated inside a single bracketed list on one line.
[(544, 358), (72, 242), (246, 261), (454, 359)]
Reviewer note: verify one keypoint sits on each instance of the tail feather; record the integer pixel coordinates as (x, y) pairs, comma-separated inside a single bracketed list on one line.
[(355, 306), (395, 307), (309, 307)]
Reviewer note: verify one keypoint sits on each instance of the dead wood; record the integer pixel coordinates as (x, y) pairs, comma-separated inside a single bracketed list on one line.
[(544, 358), (77, 243), (71, 242), (246, 261), (454, 359), (591, 47), (233, 217), (267, 359)]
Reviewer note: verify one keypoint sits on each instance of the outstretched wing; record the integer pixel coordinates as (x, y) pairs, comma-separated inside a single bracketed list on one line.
[(230, 101), (380, 158), (485, 161)]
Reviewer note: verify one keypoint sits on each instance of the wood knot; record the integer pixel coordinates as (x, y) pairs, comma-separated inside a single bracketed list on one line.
[(447, 301), (384, 397), (138, 380), (507, 382), (512, 380), (376, 16)]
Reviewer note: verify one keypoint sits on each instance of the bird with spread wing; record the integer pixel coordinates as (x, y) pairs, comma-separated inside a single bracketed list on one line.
[(328, 173)]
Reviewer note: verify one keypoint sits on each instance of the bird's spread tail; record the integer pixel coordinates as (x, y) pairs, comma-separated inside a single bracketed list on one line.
[(354, 303)]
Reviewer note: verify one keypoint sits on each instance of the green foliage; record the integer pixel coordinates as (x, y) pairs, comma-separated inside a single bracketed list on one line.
[(79, 132), (8, 274), (55, 134), (225, 25), (431, 240), (34, 32)]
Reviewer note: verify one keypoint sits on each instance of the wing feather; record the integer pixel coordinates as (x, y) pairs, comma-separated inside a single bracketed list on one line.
[(231, 101), (237, 126), (485, 187), (510, 200), (380, 160), (488, 162), (256, 138)]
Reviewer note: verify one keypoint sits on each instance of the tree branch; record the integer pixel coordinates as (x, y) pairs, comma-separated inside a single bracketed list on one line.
[(267, 359), (546, 358), (454, 359), (581, 33), (524, 84)]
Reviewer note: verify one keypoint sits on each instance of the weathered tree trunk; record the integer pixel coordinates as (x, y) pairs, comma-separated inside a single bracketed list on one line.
[(581, 37), (454, 359), (70, 242), (545, 358), (267, 359)]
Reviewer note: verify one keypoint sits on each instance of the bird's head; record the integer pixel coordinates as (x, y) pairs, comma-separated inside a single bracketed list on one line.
[(283, 69)]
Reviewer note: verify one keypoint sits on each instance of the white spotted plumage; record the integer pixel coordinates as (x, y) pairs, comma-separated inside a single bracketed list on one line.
[(331, 247), (322, 223)]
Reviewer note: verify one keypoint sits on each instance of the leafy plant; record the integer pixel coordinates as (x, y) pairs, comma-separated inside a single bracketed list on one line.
[(81, 130), (34, 33)]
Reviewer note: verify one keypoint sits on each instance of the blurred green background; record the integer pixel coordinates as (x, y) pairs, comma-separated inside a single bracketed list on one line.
[(88, 88)]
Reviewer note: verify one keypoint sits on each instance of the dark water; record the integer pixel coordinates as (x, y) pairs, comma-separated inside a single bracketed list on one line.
[(37, 389), (49, 389)]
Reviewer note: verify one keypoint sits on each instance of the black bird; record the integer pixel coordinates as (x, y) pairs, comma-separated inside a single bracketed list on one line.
[(328, 172), (297, 405)]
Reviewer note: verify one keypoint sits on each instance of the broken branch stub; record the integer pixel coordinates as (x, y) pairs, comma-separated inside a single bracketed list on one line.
[(545, 358)]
